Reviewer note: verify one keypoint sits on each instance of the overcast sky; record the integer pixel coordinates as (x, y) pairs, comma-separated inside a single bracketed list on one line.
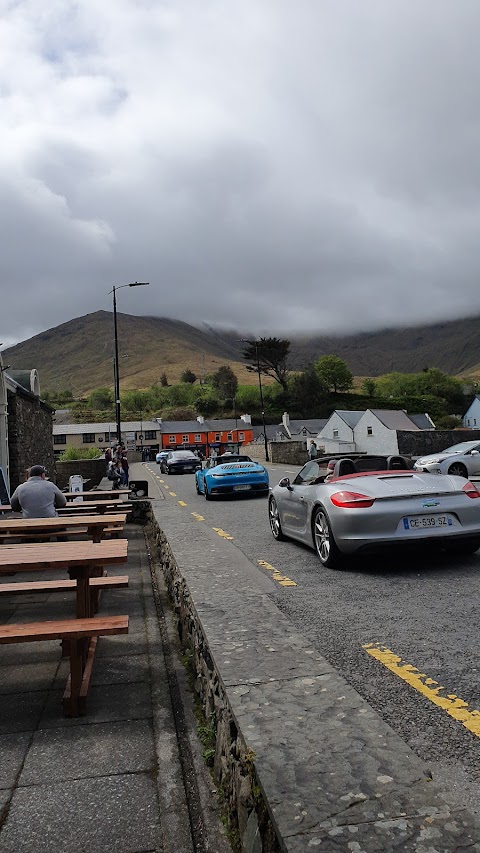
[(266, 165)]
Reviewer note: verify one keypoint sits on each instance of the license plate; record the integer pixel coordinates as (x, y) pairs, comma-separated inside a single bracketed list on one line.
[(244, 488), (424, 522)]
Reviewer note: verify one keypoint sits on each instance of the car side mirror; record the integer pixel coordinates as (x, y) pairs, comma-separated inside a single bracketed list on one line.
[(474, 453), (285, 483)]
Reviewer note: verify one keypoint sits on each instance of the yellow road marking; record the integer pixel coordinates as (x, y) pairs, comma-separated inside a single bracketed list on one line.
[(182, 503), (276, 575), (451, 703), (173, 494), (197, 516), (222, 533)]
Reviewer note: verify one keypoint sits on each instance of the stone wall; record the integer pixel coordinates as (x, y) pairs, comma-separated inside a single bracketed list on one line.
[(92, 470), (432, 441), (30, 439), (233, 764), (283, 452)]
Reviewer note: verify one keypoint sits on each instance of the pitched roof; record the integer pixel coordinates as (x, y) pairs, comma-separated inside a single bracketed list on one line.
[(273, 431), (312, 425), (422, 421), (395, 419), (127, 426), (350, 418)]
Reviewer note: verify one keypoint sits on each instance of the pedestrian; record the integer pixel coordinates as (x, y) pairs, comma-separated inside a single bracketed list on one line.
[(115, 473), (108, 456), (124, 466), (312, 451), (37, 497)]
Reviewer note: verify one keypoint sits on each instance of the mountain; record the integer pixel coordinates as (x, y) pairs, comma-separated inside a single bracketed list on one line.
[(78, 355)]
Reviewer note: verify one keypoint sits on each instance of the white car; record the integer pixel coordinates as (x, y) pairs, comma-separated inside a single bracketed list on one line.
[(462, 459)]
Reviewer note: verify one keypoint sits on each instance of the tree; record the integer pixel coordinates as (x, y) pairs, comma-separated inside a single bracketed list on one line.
[(100, 399), (307, 391), (225, 381), (189, 377), (369, 387), (334, 372), (270, 355), (164, 380)]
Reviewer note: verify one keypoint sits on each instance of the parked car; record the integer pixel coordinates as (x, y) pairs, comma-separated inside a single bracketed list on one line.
[(462, 459), (161, 455), (180, 462), (353, 513), (231, 473)]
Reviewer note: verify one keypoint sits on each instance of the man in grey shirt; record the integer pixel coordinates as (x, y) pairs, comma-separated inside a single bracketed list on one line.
[(38, 497)]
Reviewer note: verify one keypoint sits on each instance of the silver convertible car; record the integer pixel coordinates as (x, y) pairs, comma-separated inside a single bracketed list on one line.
[(353, 513)]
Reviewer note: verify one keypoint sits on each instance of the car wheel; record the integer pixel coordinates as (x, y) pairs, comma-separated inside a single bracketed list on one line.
[(207, 494), (197, 487), (325, 545), (458, 469), (462, 548), (274, 518)]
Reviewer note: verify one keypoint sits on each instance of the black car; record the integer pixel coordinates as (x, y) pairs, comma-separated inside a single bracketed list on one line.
[(180, 462)]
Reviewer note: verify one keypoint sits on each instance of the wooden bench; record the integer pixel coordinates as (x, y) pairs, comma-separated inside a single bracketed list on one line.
[(81, 636), (96, 585), (61, 535)]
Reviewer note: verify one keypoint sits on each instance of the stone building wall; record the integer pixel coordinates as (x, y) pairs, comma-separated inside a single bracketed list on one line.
[(30, 440)]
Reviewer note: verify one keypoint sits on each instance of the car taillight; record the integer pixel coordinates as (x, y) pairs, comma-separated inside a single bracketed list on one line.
[(351, 500), (470, 490)]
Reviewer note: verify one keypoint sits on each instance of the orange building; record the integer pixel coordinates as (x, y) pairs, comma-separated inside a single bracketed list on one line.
[(223, 435)]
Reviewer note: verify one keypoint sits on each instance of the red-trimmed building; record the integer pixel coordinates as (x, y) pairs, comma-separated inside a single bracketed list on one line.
[(223, 435)]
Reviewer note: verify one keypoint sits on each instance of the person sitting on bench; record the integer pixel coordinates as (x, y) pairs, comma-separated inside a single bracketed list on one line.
[(37, 497)]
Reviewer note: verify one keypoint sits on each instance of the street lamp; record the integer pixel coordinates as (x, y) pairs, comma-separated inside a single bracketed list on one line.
[(255, 343), (116, 371)]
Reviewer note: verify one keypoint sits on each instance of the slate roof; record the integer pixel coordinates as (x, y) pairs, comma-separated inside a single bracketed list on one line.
[(422, 421), (127, 426), (395, 419), (350, 418), (272, 430), (312, 425)]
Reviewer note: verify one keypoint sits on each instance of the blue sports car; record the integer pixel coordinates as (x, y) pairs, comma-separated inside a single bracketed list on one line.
[(229, 474)]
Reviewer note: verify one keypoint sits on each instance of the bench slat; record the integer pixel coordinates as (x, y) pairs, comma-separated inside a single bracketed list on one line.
[(63, 629), (109, 581)]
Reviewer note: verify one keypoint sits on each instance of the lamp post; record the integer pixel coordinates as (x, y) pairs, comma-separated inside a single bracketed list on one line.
[(116, 370), (255, 342)]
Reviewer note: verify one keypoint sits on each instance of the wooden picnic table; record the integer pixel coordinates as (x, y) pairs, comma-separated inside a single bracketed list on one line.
[(95, 525), (79, 636), (100, 506), (82, 559)]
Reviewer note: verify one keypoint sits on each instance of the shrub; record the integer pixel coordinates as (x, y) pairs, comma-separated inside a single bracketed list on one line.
[(71, 454)]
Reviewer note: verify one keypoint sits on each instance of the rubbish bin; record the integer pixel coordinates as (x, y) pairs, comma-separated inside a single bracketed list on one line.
[(138, 488)]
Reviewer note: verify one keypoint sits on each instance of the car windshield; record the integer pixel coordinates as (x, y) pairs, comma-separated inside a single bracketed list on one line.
[(462, 447), (183, 454), (232, 457)]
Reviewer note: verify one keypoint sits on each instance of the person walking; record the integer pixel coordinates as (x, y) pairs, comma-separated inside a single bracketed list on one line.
[(37, 497), (124, 466), (312, 450)]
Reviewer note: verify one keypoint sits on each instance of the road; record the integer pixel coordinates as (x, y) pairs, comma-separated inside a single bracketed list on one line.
[(423, 610)]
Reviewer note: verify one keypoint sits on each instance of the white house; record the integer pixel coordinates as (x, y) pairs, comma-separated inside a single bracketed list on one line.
[(471, 418), (337, 436), (376, 431)]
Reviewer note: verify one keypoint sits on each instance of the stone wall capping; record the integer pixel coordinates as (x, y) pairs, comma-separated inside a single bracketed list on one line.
[(303, 761)]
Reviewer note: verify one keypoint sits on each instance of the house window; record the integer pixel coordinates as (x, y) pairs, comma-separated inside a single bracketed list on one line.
[(198, 437), (229, 436), (108, 437), (184, 439), (217, 436), (59, 439), (172, 439), (89, 438), (369, 430), (335, 433), (241, 436), (150, 433)]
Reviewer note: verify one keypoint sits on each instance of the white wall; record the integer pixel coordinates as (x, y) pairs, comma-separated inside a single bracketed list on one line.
[(332, 445), (383, 440), (471, 418), (335, 422)]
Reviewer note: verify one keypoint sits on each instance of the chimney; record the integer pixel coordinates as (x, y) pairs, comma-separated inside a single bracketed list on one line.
[(158, 420), (286, 421), (247, 419), (201, 419)]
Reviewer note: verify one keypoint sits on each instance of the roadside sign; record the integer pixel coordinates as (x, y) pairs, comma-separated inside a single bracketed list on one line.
[(75, 484), (130, 441)]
